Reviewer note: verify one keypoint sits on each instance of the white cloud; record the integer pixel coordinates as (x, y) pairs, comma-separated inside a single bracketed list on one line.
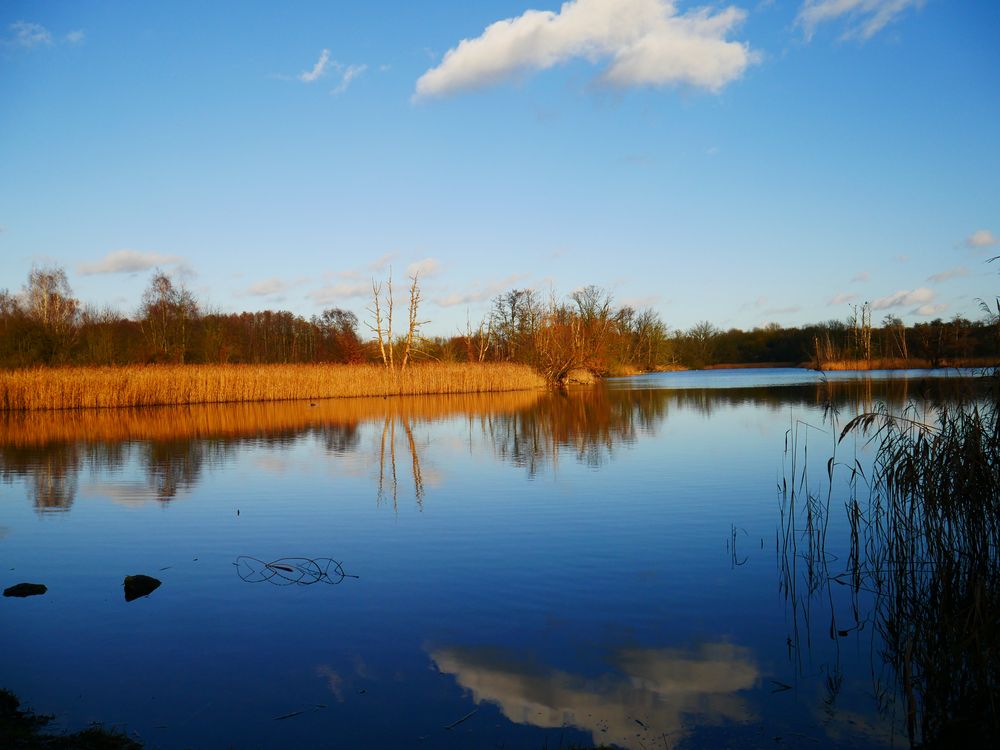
[(425, 267), (128, 261), (920, 296), (324, 65), (670, 689), (840, 299), (645, 42), (951, 273), (860, 277), (27, 34), (982, 238), (646, 300), (334, 293), (931, 309), (381, 262), (864, 18), (309, 76), (76, 37), (268, 287), (347, 74)]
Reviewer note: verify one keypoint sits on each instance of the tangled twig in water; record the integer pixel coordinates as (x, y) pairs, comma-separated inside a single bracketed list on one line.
[(288, 570)]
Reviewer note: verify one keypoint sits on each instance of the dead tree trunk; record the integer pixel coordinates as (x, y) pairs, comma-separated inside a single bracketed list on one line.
[(413, 324)]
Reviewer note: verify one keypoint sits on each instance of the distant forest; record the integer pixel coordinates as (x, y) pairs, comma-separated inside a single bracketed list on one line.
[(43, 324)]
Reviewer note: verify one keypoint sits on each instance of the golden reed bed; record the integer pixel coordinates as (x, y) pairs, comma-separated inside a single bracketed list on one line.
[(162, 385), (896, 363), (240, 421)]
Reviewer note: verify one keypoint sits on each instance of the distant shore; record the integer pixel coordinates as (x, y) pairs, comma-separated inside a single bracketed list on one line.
[(897, 363), (840, 365)]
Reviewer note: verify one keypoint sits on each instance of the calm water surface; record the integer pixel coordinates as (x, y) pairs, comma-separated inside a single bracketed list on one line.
[(598, 566)]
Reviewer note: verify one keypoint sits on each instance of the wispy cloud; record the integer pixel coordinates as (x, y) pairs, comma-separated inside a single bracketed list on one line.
[(335, 293), (481, 294), (268, 287), (920, 296), (931, 309), (380, 263), (347, 74), (860, 277), (757, 304), (425, 267), (76, 37), (842, 298), (324, 66), (128, 261), (646, 300), (981, 238), (951, 273), (318, 70), (863, 18), (643, 42), (27, 34)]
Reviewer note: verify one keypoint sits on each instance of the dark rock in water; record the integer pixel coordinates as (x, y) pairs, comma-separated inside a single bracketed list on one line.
[(25, 589), (137, 586)]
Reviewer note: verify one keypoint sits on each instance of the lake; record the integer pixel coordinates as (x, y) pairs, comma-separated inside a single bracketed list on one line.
[(527, 570)]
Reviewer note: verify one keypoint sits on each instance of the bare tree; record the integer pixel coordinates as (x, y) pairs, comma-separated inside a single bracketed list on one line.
[(413, 325), (861, 324), (165, 314), (383, 325), (478, 342), (703, 337), (50, 300), (50, 303)]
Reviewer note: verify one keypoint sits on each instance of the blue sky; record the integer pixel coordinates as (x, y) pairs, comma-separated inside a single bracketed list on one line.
[(746, 163)]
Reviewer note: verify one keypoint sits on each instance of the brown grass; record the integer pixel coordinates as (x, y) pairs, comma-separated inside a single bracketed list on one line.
[(161, 385), (897, 363)]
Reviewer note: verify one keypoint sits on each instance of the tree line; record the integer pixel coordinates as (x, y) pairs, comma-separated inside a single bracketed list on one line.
[(44, 324)]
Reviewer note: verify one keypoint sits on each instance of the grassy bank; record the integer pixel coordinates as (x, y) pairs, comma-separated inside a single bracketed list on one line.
[(103, 387)]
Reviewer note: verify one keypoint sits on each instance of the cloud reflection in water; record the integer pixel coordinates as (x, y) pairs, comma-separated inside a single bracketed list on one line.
[(652, 692)]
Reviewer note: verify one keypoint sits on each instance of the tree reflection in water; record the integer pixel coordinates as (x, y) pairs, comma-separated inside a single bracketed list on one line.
[(528, 429)]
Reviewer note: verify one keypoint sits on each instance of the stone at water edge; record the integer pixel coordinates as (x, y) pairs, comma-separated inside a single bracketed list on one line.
[(25, 589), (139, 585)]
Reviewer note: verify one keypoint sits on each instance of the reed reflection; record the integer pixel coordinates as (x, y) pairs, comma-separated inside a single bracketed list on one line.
[(173, 445), (652, 696), (914, 573)]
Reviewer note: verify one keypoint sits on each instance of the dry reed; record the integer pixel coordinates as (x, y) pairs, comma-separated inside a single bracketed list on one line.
[(924, 558), (898, 363), (161, 385)]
